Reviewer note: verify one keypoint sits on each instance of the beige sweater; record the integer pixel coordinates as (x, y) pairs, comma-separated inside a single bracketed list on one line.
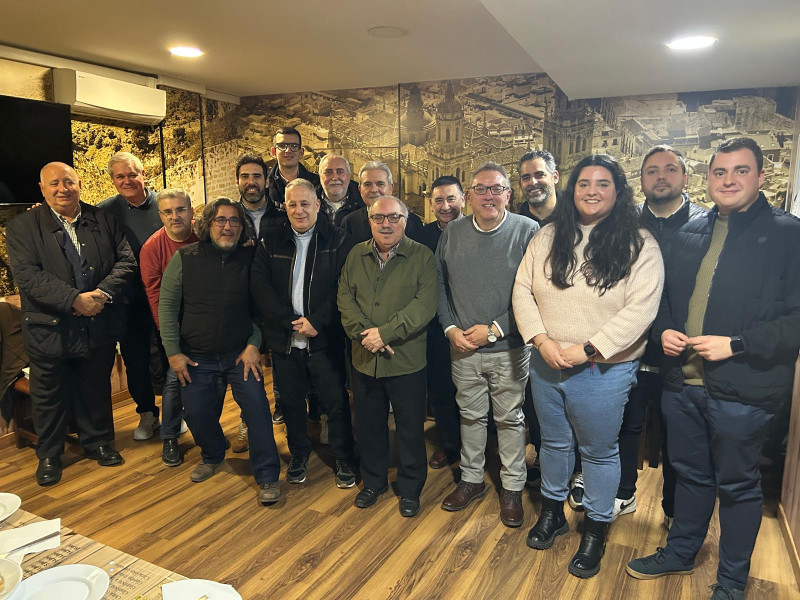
[(616, 323)]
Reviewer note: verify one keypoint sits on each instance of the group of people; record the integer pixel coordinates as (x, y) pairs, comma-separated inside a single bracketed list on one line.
[(559, 314)]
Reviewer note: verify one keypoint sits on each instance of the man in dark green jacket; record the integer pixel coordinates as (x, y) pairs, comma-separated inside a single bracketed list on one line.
[(387, 296)]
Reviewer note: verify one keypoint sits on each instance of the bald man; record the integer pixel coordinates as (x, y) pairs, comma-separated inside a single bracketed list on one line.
[(72, 265)]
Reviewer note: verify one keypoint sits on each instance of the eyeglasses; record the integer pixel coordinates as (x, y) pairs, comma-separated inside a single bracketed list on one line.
[(178, 212), (495, 189), (284, 146), (393, 218), (222, 221)]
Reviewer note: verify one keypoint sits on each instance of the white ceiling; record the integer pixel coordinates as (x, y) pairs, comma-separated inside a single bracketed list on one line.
[(589, 48)]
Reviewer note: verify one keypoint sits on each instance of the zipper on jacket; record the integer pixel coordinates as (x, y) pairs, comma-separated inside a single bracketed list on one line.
[(310, 281), (291, 278)]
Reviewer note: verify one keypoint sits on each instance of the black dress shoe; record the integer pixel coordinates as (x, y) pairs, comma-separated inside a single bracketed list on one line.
[(171, 453), (49, 471), (105, 456), (409, 507), (368, 496)]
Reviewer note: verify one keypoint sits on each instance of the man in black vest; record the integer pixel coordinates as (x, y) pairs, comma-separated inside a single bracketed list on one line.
[(729, 325), (208, 331), (72, 265)]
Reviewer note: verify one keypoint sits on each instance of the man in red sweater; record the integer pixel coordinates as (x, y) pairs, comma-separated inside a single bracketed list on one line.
[(175, 210)]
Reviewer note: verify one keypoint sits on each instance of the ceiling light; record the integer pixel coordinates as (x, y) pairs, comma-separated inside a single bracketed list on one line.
[(186, 51), (387, 31), (692, 43)]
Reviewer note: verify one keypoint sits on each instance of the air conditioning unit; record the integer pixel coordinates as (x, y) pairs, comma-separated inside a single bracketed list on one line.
[(97, 96)]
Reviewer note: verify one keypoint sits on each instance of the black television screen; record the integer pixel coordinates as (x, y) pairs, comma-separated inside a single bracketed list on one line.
[(32, 134)]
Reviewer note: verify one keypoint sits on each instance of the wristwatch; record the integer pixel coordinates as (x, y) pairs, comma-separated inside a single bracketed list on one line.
[(737, 345), (589, 350), (491, 335)]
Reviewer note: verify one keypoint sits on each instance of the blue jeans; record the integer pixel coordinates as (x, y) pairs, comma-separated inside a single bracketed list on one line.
[(715, 448), (584, 403), (171, 407), (203, 405)]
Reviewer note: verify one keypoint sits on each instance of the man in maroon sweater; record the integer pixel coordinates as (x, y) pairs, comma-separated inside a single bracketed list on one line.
[(175, 210)]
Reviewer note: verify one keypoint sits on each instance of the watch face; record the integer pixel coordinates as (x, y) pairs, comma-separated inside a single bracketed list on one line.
[(589, 350)]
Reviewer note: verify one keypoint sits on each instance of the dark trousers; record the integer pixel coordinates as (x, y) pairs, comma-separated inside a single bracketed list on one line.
[(80, 387), (371, 397), (528, 409), (135, 349), (715, 447), (296, 374), (202, 404), (442, 392)]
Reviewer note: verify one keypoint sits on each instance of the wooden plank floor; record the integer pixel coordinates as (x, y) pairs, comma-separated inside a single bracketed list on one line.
[(315, 544)]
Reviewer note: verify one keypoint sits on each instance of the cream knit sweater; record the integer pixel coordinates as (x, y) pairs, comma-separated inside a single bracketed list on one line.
[(616, 323)]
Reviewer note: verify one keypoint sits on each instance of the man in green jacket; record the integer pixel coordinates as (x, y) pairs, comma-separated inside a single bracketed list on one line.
[(387, 296)]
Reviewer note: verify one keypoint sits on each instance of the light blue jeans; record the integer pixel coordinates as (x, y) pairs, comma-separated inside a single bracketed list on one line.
[(583, 404)]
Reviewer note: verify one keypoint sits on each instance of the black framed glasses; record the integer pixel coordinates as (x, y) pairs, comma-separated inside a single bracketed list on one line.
[(393, 218), (496, 190), (178, 212), (222, 221), (284, 146)]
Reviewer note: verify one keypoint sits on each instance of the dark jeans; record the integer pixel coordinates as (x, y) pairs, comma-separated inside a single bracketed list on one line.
[(135, 349), (297, 373), (371, 397), (171, 407), (442, 392), (203, 406), (80, 387), (528, 409), (715, 447)]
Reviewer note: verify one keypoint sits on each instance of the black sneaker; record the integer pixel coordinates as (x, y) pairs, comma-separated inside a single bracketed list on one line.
[(575, 495), (171, 453), (534, 477), (345, 474), (277, 415), (657, 565), (296, 473)]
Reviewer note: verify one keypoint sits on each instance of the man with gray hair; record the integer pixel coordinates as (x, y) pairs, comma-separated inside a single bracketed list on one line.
[(340, 195), (387, 297), (477, 260), (375, 181), (136, 210)]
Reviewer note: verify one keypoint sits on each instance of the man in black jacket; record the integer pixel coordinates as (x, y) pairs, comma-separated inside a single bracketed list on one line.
[(209, 332), (72, 265), (294, 283), (340, 195), (261, 212), (729, 324), (287, 148)]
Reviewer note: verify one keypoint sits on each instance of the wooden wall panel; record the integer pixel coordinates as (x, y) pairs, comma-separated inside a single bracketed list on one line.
[(789, 508)]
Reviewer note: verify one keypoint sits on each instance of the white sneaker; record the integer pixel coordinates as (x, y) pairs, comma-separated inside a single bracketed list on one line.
[(668, 521), (575, 495), (184, 427), (148, 424), (623, 507), (323, 429)]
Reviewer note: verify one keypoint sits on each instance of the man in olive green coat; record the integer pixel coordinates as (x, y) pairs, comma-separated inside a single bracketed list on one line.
[(387, 296)]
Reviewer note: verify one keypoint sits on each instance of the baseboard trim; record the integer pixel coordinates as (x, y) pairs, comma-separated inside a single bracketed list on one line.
[(791, 546)]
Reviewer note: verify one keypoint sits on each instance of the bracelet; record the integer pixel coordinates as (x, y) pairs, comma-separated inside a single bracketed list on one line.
[(542, 342)]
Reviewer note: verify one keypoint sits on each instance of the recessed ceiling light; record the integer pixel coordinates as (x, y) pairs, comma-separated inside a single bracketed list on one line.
[(387, 31), (186, 51), (691, 43)]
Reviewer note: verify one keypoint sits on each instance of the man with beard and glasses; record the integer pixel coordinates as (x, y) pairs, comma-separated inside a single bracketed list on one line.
[(447, 203)]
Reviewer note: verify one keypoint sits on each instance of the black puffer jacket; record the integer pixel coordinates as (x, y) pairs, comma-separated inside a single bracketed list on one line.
[(271, 284), (755, 294), (47, 285)]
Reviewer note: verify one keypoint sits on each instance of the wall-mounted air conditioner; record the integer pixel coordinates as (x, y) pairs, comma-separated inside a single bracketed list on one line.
[(97, 96)]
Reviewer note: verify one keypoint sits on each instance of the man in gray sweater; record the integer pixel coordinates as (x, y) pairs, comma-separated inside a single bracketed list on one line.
[(477, 259)]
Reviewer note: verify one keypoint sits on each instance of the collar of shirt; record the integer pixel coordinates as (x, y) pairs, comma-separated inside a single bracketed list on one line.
[(144, 205), (647, 206), (392, 252), (63, 220), (495, 228), (304, 235)]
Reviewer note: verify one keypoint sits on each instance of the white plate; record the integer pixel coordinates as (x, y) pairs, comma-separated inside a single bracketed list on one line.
[(9, 503), (191, 589), (67, 582), (12, 575)]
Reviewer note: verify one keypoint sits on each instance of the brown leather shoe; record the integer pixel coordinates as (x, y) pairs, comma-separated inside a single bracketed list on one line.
[(511, 513), (440, 459), (463, 495)]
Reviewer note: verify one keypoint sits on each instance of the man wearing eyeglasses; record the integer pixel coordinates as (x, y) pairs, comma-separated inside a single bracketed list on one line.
[(136, 210), (376, 181), (287, 148), (477, 260), (208, 330), (175, 210), (387, 295)]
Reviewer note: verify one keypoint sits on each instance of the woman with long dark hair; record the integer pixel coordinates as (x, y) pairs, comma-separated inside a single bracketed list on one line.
[(585, 295)]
